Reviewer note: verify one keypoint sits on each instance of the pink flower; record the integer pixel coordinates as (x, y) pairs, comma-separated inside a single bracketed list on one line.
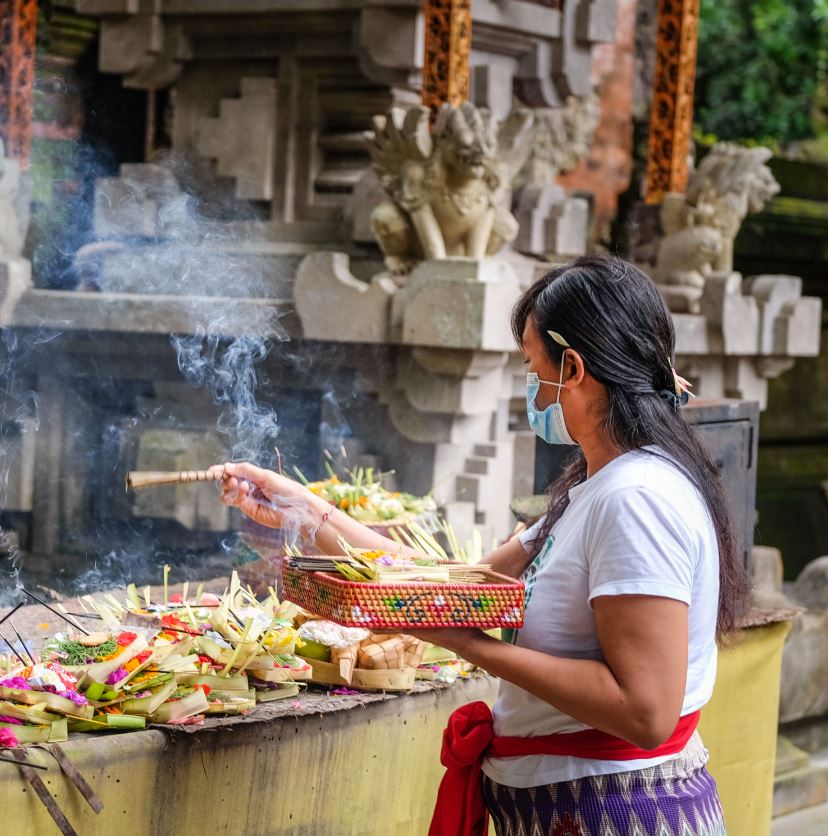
[(11, 720), (116, 676), (74, 696), (16, 682), (8, 738)]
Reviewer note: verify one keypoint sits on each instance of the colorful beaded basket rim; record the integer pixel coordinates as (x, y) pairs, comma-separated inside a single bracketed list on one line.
[(503, 582), (497, 601)]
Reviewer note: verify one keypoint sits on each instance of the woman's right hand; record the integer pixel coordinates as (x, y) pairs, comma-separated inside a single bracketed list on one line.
[(266, 497)]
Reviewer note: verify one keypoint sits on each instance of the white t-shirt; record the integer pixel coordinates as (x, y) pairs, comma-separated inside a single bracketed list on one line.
[(637, 527)]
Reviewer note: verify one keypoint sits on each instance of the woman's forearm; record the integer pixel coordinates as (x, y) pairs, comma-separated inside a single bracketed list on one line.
[(584, 689), (326, 525), (510, 559)]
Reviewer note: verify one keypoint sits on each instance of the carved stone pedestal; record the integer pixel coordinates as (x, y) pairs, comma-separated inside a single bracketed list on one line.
[(459, 303), (747, 332), (448, 396)]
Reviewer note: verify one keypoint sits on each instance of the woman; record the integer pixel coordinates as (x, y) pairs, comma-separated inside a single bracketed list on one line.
[(630, 578)]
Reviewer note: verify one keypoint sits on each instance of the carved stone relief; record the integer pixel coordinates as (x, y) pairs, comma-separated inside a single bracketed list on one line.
[(146, 50), (242, 138)]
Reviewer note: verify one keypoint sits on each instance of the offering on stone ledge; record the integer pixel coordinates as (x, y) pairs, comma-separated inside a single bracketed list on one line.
[(178, 661), (365, 499)]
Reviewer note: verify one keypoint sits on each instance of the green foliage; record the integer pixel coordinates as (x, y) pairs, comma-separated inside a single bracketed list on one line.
[(758, 68)]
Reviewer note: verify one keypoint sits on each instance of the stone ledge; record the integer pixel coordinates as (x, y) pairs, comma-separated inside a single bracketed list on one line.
[(800, 788), (148, 314), (286, 776)]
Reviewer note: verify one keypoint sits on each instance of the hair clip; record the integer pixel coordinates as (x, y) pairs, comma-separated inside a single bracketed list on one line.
[(674, 400), (683, 387), (559, 339)]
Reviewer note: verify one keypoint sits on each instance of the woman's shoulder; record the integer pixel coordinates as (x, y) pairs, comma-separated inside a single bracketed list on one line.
[(648, 478), (647, 468), (650, 515)]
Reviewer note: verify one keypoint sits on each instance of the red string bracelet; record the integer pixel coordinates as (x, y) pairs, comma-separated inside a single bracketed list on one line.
[(325, 517)]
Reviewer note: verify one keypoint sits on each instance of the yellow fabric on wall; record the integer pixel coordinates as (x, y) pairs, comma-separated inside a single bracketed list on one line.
[(739, 727)]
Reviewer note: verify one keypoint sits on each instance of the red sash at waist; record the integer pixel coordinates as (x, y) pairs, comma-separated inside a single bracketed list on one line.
[(469, 737)]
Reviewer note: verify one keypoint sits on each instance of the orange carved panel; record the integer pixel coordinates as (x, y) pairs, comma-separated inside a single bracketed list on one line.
[(671, 118), (448, 26), (18, 23)]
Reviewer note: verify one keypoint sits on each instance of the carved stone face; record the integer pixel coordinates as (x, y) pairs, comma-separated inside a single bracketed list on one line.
[(763, 187), (471, 159), (709, 242), (412, 176)]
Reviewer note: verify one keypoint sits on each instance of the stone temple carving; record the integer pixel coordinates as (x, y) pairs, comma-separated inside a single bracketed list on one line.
[(552, 222), (450, 189), (562, 138), (701, 226)]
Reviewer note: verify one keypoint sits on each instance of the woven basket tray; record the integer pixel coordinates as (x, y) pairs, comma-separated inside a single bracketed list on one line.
[(497, 601)]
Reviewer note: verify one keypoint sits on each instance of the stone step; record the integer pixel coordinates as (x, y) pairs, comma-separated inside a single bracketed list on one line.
[(352, 143), (478, 465), (487, 450), (469, 489), (800, 788), (789, 757), (479, 489), (333, 179), (812, 821)]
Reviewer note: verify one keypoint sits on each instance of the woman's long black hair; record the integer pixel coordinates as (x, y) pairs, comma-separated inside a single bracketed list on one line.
[(611, 313)]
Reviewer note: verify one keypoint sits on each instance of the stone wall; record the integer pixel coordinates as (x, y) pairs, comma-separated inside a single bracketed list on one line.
[(605, 171)]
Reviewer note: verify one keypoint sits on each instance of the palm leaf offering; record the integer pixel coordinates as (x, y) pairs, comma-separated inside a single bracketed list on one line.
[(417, 536), (361, 495), (172, 661), (187, 656)]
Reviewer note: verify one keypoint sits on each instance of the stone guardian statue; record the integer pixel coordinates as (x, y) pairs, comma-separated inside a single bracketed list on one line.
[(450, 188), (701, 226)]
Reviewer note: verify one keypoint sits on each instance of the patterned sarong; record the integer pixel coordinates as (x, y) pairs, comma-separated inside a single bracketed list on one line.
[(674, 798)]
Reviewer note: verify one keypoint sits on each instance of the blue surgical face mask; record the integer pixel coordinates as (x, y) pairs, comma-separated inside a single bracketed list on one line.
[(548, 423)]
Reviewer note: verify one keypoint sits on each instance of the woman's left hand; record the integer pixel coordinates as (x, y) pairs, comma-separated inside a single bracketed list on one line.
[(458, 639)]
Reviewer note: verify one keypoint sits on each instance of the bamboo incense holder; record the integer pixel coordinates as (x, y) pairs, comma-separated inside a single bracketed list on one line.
[(139, 479)]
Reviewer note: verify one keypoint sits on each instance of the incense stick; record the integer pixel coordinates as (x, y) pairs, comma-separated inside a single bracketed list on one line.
[(53, 610), (23, 644), (100, 618), (24, 763), (11, 612), (11, 647), (88, 719), (138, 479)]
